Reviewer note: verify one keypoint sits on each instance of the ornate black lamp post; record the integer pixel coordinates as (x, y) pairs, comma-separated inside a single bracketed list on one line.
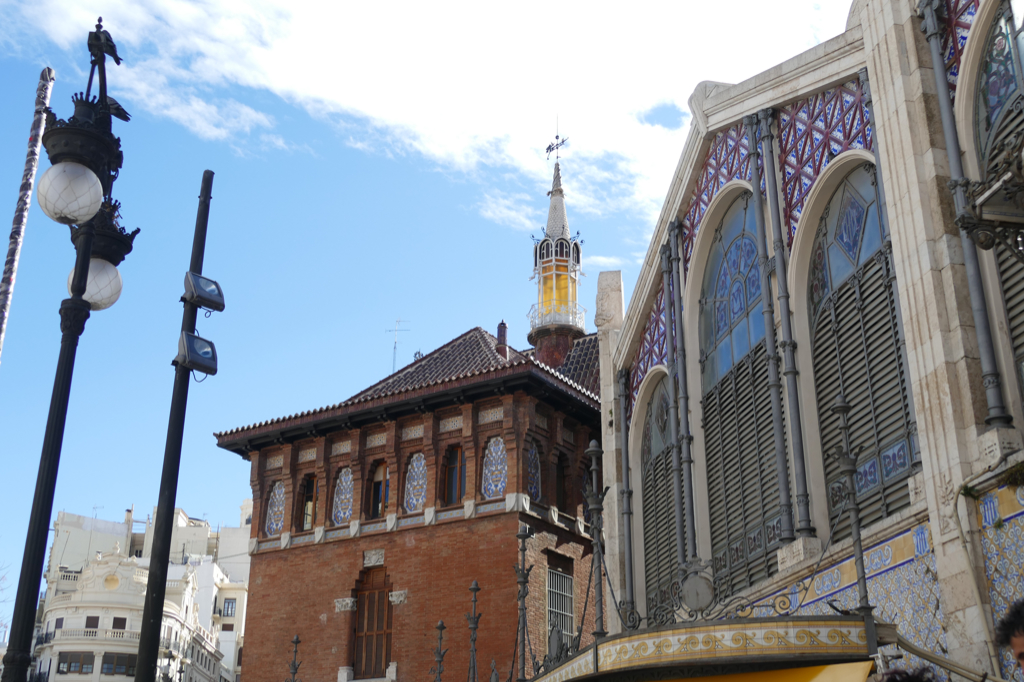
[(76, 191), (848, 465)]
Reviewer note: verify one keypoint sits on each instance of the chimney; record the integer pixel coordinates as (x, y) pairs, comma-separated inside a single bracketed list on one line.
[(502, 345)]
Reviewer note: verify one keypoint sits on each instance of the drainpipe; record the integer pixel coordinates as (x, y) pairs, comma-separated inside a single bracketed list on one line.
[(774, 385), (684, 397), (997, 414), (803, 528), (673, 419), (629, 601)]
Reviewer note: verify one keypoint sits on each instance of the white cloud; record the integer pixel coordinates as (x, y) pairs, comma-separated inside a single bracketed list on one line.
[(517, 211), (604, 261), (467, 85)]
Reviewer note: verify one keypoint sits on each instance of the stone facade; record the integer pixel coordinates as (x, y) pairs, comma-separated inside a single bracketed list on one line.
[(918, 547)]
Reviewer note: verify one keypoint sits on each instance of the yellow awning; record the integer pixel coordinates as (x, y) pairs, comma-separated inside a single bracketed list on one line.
[(841, 672)]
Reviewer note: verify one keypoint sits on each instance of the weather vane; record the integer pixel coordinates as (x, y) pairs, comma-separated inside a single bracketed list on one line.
[(555, 146)]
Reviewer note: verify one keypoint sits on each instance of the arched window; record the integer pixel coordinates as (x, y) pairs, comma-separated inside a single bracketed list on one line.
[(561, 249), (533, 478), (275, 509), (379, 488), (545, 249), (996, 122), (857, 351), (743, 491), (307, 512), (576, 254), (342, 506), (656, 493), (416, 483), (998, 81), (495, 469), (372, 650), (454, 475)]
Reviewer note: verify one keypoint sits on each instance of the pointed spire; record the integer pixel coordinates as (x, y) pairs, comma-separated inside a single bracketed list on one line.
[(558, 223)]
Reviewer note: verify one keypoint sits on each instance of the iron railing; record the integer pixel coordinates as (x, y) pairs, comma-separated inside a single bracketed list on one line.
[(571, 314)]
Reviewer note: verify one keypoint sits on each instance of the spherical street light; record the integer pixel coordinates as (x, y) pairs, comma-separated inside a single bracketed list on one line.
[(70, 193), (103, 286)]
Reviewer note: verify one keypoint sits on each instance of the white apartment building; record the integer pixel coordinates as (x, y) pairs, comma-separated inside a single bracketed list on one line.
[(90, 616)]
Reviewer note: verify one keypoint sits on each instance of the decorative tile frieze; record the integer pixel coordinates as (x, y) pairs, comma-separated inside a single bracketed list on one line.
[(451, 423), (416, 483), (451, 514), (375, 527), (275, 461), (412, 432), (373, 557), (302, 540), (1001, 514), (376, 439), (410, 521), (490, 415), (342, 447), (337, 533), (490, 507), (307, 454)]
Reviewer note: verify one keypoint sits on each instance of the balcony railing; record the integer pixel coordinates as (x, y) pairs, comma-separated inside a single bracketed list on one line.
[(570, 314), (87, 633)]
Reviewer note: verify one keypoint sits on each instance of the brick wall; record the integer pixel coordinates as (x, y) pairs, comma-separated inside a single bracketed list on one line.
[(293, 591)]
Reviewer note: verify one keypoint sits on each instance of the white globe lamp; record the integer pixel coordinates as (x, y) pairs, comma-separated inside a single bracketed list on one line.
[(70, 193), (102, 287)]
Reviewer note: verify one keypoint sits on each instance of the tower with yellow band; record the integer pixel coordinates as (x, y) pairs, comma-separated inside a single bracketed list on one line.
[(557, 319)]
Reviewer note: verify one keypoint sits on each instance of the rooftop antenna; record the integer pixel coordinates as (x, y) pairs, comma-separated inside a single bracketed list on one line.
[(394, 353), (557, 144), (96, 507)]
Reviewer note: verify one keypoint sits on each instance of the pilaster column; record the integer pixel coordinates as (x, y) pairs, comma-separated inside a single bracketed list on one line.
[(774, 385), (796, 433)]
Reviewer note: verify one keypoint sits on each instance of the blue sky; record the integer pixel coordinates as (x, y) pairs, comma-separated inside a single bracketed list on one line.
[(371, 164)]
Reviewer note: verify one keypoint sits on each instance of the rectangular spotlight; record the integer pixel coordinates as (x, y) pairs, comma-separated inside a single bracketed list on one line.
[(196, 353), (203, 292)]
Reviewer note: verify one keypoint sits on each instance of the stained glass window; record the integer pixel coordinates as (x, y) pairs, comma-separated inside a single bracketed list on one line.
[(998, 80), (533, 472), (848, 236), (736, 406), (275, 509), (731, 319), (858, 351), (416, 483), (342, 507), (495, 473)]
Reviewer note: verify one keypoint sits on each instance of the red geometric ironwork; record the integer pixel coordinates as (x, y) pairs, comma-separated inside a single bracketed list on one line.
[(727, 159), (958, 18), (811, 132), (652, 350)]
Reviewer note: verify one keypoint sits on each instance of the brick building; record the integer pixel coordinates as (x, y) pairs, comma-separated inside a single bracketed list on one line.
[(372, 517)]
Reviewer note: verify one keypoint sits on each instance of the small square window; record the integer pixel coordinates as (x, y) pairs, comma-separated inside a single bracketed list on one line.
[(92, 622), (228, 627), (119, 623)]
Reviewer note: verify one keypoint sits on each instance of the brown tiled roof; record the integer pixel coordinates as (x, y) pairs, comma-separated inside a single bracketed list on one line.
[(471, 353), (581, 365), (466, 356)]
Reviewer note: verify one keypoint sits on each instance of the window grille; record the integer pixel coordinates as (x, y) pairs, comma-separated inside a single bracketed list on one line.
[(373, 625), (656, 494), (560, 606), (739, 437), (858, 351)]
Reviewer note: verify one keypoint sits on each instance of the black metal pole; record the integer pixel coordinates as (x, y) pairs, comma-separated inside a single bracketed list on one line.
[(523, 579), (848, 465), (74, 312), (156, 588)]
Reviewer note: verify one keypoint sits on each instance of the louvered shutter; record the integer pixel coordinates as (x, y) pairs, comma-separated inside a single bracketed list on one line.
[(743, 490), (1011, 274), (857, 352)]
